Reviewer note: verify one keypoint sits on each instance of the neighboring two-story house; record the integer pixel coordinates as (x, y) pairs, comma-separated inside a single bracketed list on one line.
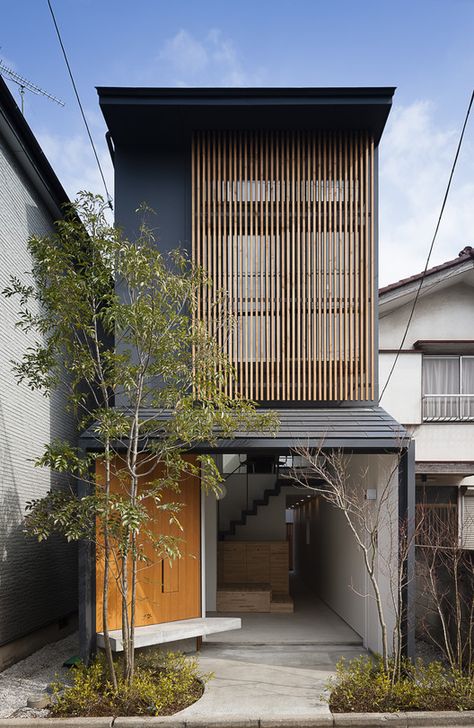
[(274, 192), (38, 582), (431, 390)]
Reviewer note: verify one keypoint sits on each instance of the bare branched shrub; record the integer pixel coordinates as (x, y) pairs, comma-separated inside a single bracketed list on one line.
[(446, 579)]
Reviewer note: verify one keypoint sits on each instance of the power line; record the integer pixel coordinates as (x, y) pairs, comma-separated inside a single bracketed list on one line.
[(415, 301), (109, 198)]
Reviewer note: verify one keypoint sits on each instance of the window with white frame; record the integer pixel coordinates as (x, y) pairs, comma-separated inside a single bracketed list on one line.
[(448, 388)]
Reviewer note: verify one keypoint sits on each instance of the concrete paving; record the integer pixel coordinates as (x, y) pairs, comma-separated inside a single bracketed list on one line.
[(312, 622), (277, 666), (266, 681)]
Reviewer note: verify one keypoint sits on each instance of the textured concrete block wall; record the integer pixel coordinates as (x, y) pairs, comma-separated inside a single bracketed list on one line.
[(37, 581)]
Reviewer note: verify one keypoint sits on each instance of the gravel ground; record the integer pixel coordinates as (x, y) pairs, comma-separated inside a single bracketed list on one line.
[(32, 675), (428, 652)]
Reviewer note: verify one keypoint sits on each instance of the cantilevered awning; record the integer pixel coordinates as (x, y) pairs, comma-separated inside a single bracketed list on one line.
[(368, 429)]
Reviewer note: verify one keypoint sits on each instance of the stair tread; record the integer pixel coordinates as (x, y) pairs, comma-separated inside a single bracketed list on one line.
[(247, 512)]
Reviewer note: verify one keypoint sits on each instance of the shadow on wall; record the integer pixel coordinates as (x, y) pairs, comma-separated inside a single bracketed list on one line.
[(38, 581)]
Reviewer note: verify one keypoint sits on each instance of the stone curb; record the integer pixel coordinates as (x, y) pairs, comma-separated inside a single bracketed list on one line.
[(57, 722), (434, 719), (367, 720), (415, 719)]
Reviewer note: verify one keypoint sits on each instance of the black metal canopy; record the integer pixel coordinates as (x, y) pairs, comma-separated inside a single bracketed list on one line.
[(367, 429)]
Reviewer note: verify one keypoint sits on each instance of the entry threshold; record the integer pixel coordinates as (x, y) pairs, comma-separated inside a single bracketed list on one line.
[(158, 634)]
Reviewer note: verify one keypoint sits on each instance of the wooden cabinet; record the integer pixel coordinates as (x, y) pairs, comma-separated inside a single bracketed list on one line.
[(254, 562)]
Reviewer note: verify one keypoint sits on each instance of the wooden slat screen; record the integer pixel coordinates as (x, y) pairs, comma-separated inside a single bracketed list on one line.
[(283, 222)]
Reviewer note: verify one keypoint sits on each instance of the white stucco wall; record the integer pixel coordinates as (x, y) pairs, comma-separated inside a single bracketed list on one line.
[(444, 442), (402, 397), (446, 313)]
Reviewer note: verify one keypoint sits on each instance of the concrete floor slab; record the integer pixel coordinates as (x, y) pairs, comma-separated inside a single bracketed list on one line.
[(312, 622)]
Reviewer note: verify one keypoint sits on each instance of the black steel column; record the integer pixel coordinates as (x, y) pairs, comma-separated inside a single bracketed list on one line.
[(407, 516)]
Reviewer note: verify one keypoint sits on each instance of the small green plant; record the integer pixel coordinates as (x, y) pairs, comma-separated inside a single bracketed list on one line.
[(364, 686), (163, 684)]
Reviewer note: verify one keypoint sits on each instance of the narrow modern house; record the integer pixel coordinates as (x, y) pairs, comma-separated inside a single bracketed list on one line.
[(38, 582), (432, 387), (275, 193)]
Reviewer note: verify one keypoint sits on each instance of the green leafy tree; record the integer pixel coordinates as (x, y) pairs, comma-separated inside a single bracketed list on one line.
[(115, 326)]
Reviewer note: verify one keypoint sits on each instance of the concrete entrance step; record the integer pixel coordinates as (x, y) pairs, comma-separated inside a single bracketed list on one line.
[(157, 634)]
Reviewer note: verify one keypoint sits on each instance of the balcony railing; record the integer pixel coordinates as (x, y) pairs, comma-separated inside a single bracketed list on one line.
[(448, 407)]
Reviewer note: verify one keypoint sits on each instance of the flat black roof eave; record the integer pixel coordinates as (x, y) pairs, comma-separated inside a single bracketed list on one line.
[(375, 94), (269, 445), (143, 115)]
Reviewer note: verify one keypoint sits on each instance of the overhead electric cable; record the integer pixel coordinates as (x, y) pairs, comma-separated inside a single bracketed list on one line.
[(415, 301), (109, 198)]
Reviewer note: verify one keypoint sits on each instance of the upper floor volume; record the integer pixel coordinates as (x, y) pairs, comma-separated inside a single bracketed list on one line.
[(274, 192)]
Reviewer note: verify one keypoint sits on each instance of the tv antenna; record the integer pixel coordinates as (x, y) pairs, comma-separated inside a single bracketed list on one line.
[(24, 84)]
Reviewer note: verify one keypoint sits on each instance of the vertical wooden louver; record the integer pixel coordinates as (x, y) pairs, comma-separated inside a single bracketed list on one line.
[(283, 221)]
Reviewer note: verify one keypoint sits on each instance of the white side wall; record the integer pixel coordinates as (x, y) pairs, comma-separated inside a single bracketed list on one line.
[(37, 581), (209, 526), (331, 561)]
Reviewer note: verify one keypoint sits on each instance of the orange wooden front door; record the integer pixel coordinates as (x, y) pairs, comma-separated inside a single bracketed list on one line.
[(167, 590)]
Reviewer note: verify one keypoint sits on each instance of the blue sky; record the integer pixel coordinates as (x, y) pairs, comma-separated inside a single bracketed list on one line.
[(424, 47)]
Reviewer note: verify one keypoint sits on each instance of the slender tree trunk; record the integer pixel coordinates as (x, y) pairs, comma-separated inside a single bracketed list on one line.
[(458, 608), (125, 619), (132, 464), (132, 608), (105, 599)]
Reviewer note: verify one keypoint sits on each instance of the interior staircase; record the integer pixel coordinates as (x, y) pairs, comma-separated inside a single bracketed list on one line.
[(252, 510)]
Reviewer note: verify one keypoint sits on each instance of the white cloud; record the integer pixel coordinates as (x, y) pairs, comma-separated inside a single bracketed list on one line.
[(185, 54), (74, 163), (415, 162), (211, 60)]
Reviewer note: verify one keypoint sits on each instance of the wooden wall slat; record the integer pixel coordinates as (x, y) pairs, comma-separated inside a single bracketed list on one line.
[(284, 221)]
